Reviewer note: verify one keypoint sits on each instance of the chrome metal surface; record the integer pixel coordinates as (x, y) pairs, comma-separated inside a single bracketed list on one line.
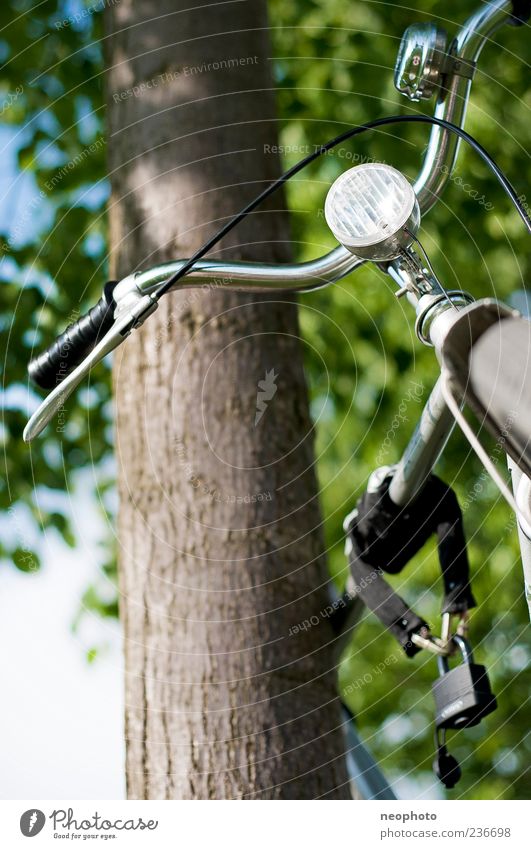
[(432, 644), (128, 320), (438, 162), (420, 61), (247, 276), (412, 275), (436, 314), (424, 448), (442, 147), (363, 770)]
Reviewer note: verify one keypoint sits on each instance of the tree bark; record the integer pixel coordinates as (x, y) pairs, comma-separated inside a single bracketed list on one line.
[(220, 546)]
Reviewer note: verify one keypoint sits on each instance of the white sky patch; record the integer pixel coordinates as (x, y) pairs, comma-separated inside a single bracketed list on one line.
[(61, 719)]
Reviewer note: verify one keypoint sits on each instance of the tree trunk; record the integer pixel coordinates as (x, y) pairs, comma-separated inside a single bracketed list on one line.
[(220, 544)]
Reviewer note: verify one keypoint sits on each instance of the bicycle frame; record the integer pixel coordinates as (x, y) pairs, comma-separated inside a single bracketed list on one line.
[(133, 299)]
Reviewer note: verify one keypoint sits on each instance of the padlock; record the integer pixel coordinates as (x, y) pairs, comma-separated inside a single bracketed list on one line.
[(462, 694)]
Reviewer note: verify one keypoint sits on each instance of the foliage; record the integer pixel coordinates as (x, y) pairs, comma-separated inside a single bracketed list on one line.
[(333, 67), (334, 70), (53, 244)]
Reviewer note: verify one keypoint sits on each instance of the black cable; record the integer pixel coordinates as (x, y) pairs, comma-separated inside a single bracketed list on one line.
[(348, 134)]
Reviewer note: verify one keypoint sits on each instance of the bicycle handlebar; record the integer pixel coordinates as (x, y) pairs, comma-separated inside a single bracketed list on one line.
[(51, 366), (436, 171), (453, 99), (72, 347)]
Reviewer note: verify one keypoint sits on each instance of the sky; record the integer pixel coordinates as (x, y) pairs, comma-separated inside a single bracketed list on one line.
[(61, 718)]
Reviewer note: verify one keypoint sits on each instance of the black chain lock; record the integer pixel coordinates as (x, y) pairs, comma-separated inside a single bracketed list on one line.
[(383, 537)]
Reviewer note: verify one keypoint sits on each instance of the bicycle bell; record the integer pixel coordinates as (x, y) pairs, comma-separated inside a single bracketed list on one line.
[(421, 59)]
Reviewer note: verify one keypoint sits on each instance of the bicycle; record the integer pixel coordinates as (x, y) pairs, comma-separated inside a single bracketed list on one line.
[(375, 214)]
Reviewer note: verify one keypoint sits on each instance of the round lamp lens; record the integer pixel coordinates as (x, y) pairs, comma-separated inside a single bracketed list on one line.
[(372, 210)]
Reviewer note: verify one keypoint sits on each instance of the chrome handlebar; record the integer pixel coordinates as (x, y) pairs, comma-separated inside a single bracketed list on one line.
[(439, 160), (135, 295), (453, 99), (295, 277)]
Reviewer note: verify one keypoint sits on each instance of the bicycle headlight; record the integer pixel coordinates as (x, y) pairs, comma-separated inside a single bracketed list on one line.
[(373, 211)]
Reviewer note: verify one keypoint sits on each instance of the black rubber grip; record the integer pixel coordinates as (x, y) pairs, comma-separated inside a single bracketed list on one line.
[(521, 12), (72, 346)]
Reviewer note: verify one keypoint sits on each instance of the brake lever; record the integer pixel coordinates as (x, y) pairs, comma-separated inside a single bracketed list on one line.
[(127, 320)]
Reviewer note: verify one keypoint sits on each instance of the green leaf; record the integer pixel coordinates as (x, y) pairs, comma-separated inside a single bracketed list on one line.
[(25, 560)]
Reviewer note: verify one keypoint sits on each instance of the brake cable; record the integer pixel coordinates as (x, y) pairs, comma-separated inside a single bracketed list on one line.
[(79, 348), (324, 148)]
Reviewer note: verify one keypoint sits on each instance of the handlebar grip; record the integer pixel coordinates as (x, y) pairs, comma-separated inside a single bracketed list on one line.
[(71, 347), (521, 12)]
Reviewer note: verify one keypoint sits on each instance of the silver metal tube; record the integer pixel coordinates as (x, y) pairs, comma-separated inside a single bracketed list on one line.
[(425, 446), (436, 422), (443, 146), (438, 163), (369, 780), (256, 277)]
